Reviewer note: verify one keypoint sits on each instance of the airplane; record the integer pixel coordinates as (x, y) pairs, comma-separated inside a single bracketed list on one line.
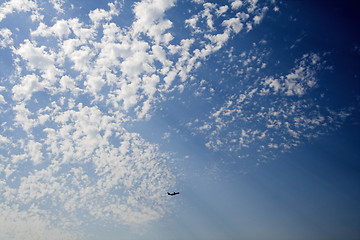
[(173, 194)]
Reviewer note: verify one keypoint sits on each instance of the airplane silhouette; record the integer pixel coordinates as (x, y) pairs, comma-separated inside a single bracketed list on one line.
[(173, 194)]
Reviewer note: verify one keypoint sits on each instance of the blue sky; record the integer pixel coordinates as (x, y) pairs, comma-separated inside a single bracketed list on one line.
[(248, 108)]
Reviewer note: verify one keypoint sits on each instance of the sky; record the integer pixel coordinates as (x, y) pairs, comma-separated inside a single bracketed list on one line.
[(248, 108)]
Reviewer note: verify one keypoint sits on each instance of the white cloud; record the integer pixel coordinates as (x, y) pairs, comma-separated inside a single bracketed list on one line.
[(94, 83), (34, 150), (301, 79), (222, 10), (16, 5), (29, 85), (22, 117), (160, 55), (233, 23), (208, 7), (82, 58), (2, 99), (5, 37), (252, 5), (258, 18), (192, 23), (273, 83), (58, 4), (99, 15), (60, 29), (150, 84), (236, 4), (81, 32), (30, 224), (4, 140), (67, 83), (198, 1), (149, 14), (37, 58)]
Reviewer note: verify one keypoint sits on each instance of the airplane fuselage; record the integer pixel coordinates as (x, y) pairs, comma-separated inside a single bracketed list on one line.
[(173, 194)]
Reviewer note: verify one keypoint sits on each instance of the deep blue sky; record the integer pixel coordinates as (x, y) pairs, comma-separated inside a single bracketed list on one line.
[(248, 108)]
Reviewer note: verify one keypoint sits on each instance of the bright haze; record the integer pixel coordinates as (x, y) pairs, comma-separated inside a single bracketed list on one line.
[(248, 108)]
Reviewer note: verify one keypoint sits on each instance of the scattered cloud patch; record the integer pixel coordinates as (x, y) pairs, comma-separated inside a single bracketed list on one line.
[(272, 116)]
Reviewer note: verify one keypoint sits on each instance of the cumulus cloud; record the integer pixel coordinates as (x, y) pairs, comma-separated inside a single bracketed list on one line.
[(16, 5), (29, 85), (236, 4), (60, 29), (150, 16), (38, 58), (99, 15)]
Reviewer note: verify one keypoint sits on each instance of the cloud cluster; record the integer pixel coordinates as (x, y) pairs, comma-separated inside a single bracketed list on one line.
[(81, 164), (127, 68), (66, 155), (299, 81), (271, 115)]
